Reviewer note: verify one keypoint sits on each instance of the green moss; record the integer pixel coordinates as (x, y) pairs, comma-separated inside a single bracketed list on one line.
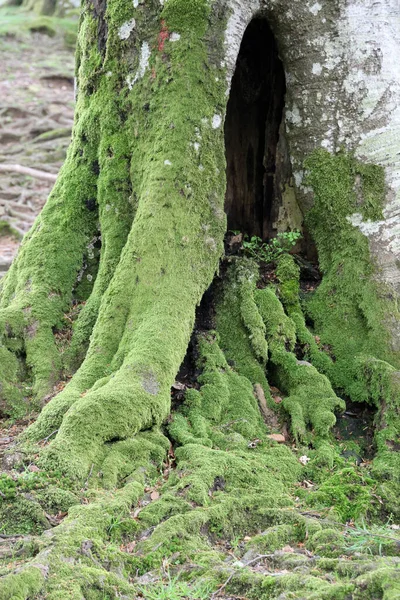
[(240, 327), (329, 542), (20, 586), (349, 293), (382, 583), (262, 586), (7, 487), (176, 234), (11, 390), (22, 515), (55, 499), (186, 15), (273, 538), (348, 491), (364, 364), (310, 398)]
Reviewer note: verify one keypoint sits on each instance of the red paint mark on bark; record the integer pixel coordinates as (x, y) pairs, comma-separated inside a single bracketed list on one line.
[(163, 36)]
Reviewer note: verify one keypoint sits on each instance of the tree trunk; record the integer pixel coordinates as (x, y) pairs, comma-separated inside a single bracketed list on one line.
[(131, 238)]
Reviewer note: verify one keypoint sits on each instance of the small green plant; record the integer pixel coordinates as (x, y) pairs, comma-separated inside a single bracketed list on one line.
[(377, 540), (173, 589), (113, 526), (269, 252)]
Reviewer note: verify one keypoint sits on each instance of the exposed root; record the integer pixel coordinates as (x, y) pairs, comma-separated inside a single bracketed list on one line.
[(28, 171)]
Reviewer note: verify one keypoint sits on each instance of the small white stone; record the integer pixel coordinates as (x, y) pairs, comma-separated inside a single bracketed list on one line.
[(196, 146), (89, 277), (167, 162), (304, 460), (125, 30), (201, 168), (216, 121), (174, 37)]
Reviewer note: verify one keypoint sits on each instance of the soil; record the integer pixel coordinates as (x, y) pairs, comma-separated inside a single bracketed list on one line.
[(36, 117)]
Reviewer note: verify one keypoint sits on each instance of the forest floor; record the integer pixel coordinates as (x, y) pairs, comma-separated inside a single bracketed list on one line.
[(36, 116)]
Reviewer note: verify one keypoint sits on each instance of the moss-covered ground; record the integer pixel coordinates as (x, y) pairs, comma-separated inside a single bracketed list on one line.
[(209, 505)]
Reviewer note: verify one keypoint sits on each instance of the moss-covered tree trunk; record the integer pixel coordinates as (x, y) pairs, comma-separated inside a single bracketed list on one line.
[(132, 235)]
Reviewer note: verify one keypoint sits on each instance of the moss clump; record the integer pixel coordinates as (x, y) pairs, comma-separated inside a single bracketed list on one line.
[(7, 487), (241, 330), (23, 585), (364, 364), (11, 390), (328, 542), (22, 514), (348, 491), (310, 398), (349, 293), (55, 499)]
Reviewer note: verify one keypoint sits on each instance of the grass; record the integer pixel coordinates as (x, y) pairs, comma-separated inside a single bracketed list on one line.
[(171, 588), (373, 539)]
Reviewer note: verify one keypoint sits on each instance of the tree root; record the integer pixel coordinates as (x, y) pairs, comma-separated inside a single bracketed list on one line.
[(28, 171)]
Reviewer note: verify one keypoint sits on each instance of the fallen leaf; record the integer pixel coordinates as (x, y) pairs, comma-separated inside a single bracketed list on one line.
[(154, 495), (277, 437), (34, 468), (130, 547)]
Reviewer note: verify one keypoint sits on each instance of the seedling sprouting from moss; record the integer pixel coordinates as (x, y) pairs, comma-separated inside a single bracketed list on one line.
[(269, 252)]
